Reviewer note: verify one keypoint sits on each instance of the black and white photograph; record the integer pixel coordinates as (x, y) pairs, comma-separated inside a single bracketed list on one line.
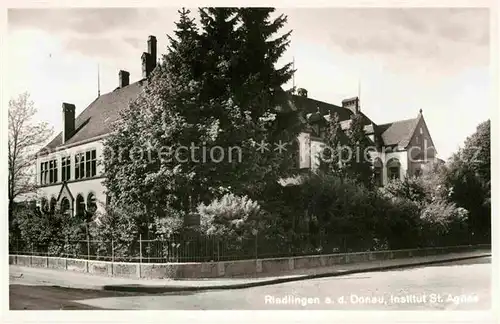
[(189, 157)]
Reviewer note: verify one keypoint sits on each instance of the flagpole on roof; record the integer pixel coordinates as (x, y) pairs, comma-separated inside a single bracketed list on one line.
[(359, 92), (359, 89), (98, 81)]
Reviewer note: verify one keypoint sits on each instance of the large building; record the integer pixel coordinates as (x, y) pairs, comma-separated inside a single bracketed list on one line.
[(70, 176)]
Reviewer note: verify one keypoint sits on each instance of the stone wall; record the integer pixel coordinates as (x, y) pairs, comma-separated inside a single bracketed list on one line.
[(275, 266)]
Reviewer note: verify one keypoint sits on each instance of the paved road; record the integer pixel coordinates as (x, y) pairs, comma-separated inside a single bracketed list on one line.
[(464, 285)]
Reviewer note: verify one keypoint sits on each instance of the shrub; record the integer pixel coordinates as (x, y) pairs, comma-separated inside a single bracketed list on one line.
[(335, 213), (230, 216), (443, 223), (410, 188), (47, 232), (122, 225), (402, 223)]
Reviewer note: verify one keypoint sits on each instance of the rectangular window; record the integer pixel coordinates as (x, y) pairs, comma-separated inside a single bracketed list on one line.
[(42, 173), (93, 163), (77, 167), (85, 165), (82, 165), (51, 172), (66, 168), (46, 176), (48, 172), (55, 172)]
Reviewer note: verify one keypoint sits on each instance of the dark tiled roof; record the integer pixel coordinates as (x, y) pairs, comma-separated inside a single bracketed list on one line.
[(97, 118), (399, 132), (311, 106)]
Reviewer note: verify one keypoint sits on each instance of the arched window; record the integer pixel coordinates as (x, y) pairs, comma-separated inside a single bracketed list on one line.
[(393, 169), (91, 203), (65, 206), (53, 203), (377, 172), (80, 206)]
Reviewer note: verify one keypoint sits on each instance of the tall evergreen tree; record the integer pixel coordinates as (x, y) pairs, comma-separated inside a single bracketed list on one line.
[(240, 76), (258, 86)]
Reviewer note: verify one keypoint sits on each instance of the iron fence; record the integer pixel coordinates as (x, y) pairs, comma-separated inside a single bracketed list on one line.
[(195, 248)]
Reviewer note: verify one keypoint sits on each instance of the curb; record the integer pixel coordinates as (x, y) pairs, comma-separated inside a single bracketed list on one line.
[(165, 289)]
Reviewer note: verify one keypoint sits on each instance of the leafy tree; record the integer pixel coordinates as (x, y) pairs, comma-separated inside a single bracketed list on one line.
[(25, 136), (469, 179), (142, 167), (199, 97), (477, 152), (359, 165), (331, 157)]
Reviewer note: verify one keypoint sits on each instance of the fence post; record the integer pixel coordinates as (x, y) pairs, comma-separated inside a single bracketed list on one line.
[(112, 250), (31, 258), (140, 248), (255, 233), (140, 255), (218, 247), (88, 246)]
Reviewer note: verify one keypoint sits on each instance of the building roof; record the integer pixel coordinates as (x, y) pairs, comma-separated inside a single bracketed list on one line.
[(312, 106), (398, 132), (97, 118)]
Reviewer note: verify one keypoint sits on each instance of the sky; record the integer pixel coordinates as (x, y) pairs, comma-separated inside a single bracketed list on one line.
[(398, 60)]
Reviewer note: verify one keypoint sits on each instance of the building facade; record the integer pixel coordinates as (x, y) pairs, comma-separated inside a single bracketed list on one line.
[(70, 175)]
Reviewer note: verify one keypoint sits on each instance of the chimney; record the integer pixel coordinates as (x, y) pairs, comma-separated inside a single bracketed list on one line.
[(302, 92), (145, 64), (152, 51), (123, 78), (352, 104), (68, 121), (149, 58)]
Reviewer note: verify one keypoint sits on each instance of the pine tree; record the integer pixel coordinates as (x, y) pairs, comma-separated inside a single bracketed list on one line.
[(258, 81), (257, 86), (244, 87), (359, 166)]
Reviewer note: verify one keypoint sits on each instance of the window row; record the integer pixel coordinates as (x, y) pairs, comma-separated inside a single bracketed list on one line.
[(48, 172), (85, 167)]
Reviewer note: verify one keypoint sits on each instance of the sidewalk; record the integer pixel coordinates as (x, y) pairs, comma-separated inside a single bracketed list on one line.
[(68, 279)]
